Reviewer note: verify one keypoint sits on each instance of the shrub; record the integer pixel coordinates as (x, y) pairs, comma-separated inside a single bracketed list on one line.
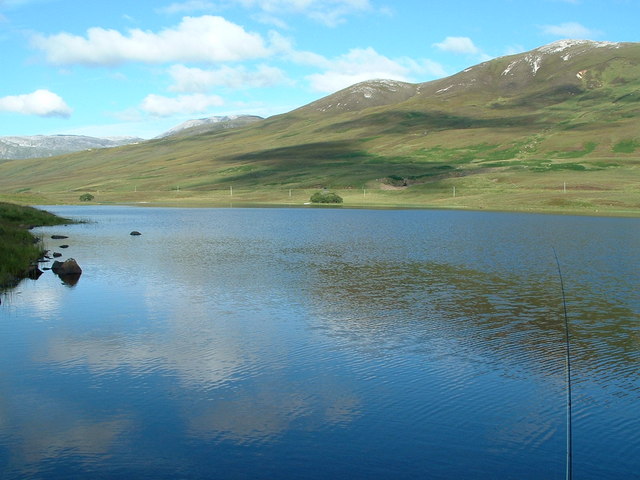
[(86, 197), (326, 197), (626, 146)]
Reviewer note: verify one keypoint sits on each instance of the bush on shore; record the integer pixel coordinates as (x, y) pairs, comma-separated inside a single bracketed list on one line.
[(326, 197)]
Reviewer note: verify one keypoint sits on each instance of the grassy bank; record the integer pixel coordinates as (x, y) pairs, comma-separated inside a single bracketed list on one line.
[(18, 247), (603, 193)]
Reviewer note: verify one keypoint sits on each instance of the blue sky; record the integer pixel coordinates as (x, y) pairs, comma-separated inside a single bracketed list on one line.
[(140, 67)]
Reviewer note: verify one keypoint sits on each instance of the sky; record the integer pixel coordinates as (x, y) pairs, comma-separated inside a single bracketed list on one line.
[(141, 67)]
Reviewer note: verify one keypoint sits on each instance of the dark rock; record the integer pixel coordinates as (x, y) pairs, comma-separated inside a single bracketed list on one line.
[(56, 254), (135, 233), (59, 237), (34, 272), (68, 267), (71, 279), (64, 246)]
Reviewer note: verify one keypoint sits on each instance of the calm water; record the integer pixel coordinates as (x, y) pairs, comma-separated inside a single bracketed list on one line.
[(324, 343)]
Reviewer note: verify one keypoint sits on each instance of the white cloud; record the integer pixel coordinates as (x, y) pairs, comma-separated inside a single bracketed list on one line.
[(41, 102), (188, 7), (333, 13), (268, 19), (327, 12), (365, 64), (569, 30), (161, 106), (198, 80), (462, 45), (202, 39), (284, 46), (424, 67), (514, 49), (330, 82)]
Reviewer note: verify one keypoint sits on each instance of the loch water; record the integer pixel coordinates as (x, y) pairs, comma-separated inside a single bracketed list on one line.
[(313, 343)]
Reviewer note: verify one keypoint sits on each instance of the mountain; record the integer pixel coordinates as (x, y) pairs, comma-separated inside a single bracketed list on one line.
[(37, 146), (210, 124), (550, 74), (372, 93), (41, 146), (503, 134)]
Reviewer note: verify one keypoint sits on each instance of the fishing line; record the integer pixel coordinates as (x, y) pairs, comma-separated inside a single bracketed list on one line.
[(568, 363)]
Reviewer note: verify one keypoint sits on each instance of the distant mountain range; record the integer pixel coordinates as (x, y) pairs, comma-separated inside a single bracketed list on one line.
[(38, 146), (42, 146), (526, 121)]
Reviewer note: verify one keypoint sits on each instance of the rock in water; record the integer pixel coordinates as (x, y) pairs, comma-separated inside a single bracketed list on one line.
[(68, 267), (33, 272), (135, 233)]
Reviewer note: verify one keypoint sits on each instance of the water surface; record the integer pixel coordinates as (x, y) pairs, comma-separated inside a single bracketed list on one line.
[(324, 343)]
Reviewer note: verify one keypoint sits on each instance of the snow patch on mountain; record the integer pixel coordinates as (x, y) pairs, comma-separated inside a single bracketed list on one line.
[(570, 48), (562, 45), (366, 94), (371, 88), (442, 90)]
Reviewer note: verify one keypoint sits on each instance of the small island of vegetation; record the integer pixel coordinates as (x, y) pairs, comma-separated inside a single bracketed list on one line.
[(86, 197), (19, 248)]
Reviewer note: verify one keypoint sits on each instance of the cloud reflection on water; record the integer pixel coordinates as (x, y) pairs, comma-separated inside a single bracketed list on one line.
[(228, 351), (47, 427)]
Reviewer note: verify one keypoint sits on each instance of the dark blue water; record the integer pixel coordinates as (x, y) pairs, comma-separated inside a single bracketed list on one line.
[(315, 344)]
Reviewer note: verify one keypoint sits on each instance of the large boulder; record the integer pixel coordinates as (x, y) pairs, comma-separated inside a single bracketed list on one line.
[(68, 267)]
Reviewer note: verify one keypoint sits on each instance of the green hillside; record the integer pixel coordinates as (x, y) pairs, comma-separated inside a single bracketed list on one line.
[(554, 129)]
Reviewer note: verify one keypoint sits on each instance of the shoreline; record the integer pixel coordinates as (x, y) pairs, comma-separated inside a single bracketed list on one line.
[(200, 203), (581, 199), (19, 248)]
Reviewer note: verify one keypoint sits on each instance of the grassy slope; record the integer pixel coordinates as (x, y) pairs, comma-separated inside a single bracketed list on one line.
[(502, 143), (18, 247)]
